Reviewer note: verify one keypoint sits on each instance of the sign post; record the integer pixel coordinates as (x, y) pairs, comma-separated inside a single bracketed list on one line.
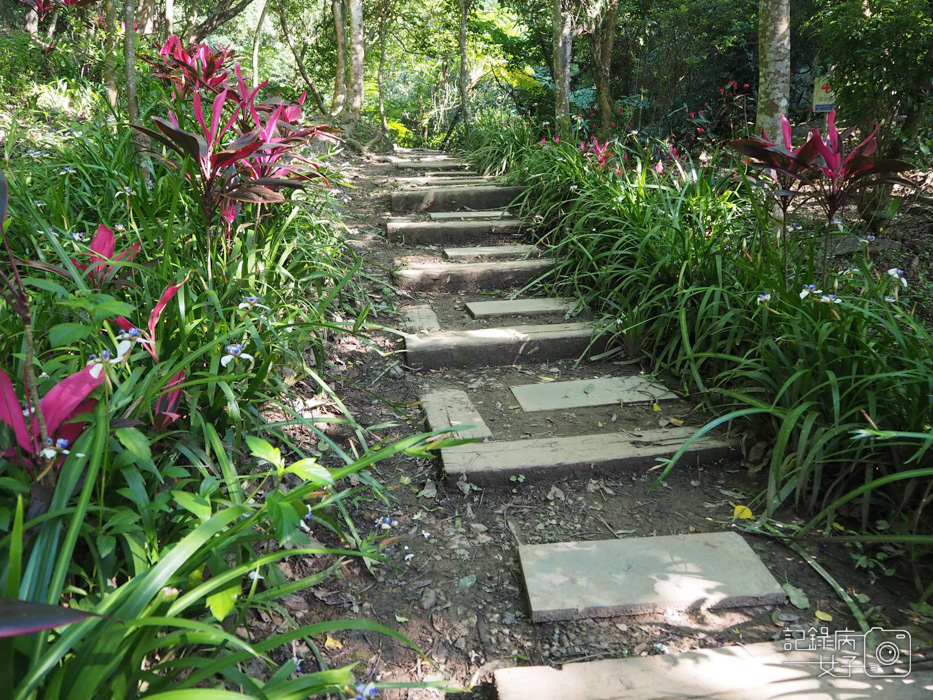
[(823, 99)]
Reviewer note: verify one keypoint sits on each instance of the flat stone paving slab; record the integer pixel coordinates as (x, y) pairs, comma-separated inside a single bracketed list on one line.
[(580, 456), (470, 276), (555, 396), (451, 198), (763, 671), (459, 215), (605, 578), (431, 165), (499, 346), (519, 307), (449, 408), (450, 232), (420, 318), (492, 251)]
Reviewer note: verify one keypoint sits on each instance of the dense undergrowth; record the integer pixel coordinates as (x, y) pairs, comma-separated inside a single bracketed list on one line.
[(158, 308), (827, 363)]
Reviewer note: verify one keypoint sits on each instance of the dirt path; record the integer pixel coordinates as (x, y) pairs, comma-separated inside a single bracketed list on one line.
[(451, 580)]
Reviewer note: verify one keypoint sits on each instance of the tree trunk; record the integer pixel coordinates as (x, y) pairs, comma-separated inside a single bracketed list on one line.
[(299, 61), (129, 60), (773, 64), (383, 31), (603, 41), (464, 66), (169, 17), (225, 11), (356, 56), (340, 77), (256, 38), (110, 48), (563, 45), (32, 22), (147, 16)]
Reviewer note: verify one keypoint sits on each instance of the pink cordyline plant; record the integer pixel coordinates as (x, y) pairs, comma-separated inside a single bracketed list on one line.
[(103, 263)]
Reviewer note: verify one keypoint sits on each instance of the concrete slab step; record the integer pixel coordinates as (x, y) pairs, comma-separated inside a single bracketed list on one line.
[(546, 459), (450, 232), (469, 276), (431, 165), (452, 174), (643, 575), (421, 182), (457, 215), (499, 346), (764, 671), (492, 252), (452, 198), (555, 396), (420, 318), (519, 307), (449, 408)]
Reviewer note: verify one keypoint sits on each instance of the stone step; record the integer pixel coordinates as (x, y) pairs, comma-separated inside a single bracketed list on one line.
[(453, 174), (492, 252), (449, 408), (519, 307), (469, 276), (764, 671), (452, 198), (450, 232), (414, 182), (645, 575), (431, 165), (500, 346), (582, 456), (487, 214), (420, 318), (556, 396)]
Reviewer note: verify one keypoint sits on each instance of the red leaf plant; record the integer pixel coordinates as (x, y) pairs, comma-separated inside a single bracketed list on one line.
[(132, 334), (103, 264), (58, 409)]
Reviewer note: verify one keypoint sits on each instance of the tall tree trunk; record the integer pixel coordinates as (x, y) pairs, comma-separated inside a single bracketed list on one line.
[(129, 60), (146, 16), (563, 46), (169, 17), (110, 48), (464, 66), (356, 55), (603, 41), (299, 61), (32, 22), (383, 135), (225, 11), (773, 64), (256, 38), (340, 77)]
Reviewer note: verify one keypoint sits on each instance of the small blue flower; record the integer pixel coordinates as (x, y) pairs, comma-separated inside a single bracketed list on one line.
[(252, 302), (866, 239), (890, 298), (808, 290), (234, 354), (385, 523), (764, 298), (297, 665), (366, 691), (61, 443), (829, 299)]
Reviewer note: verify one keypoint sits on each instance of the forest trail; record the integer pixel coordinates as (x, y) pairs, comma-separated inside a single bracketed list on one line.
[(644, 574)]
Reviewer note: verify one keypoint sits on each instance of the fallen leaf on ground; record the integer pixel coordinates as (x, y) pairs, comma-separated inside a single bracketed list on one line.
[(331, 643)]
